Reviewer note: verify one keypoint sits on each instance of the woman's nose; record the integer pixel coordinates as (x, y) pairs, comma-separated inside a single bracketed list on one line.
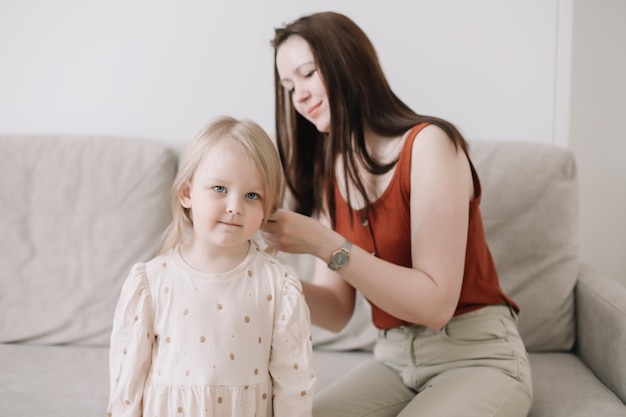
[(300, 93)]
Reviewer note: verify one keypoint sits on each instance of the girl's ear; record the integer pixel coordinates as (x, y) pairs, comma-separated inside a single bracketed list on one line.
[(184, 196)]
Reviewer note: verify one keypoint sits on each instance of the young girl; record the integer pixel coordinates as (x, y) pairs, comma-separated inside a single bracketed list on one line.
[(214, 326)]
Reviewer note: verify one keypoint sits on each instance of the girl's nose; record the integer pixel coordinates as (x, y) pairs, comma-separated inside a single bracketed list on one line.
[(234, 207)]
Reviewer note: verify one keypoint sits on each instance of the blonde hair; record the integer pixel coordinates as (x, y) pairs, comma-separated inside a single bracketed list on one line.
[(262, 152)]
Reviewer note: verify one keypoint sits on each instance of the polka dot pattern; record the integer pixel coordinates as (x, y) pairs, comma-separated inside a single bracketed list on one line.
[(202, 319)]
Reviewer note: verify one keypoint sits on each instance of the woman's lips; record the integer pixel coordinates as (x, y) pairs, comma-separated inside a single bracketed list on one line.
[(312, 111)]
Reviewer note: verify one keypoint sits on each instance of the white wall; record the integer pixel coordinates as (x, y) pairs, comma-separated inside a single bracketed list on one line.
[(598, 135), (540, 70), (161, 68)]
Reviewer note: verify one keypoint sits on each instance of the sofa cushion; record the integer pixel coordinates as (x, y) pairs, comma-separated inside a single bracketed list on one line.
[(53, 381), (530, 213), (76, 213), (564, 386)]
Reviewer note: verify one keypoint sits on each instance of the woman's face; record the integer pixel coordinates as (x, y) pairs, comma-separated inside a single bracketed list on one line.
[(299, 76)]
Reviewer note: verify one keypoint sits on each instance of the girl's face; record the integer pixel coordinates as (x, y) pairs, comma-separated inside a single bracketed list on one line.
[(299, 75), (225, 197)]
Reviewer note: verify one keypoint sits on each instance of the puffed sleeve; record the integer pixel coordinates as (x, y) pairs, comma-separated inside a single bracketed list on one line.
[(291, 359), (132, 337)]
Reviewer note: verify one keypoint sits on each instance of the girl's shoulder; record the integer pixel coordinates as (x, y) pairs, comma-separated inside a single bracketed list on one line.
[(277, 268), (267, 260), (156, 266), (164, 257)]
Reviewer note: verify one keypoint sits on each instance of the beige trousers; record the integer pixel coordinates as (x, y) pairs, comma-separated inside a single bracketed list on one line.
[(476, 366)]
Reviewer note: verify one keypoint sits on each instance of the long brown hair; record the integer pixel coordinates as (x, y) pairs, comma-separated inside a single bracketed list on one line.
[(358, 95)]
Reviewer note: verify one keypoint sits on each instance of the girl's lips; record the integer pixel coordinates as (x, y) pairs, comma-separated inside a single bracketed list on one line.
[(230, 224)]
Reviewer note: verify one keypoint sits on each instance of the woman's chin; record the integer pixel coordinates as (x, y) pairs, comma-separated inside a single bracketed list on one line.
[(322, 126)]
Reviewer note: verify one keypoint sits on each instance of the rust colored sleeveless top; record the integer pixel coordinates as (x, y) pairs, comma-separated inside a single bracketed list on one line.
[(387, 233)]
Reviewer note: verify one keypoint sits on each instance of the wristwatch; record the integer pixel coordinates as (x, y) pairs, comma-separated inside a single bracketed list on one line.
[(341, 256)]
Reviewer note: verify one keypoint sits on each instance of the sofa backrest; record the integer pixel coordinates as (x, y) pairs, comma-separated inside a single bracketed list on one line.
[(530, 212), (75, 214)]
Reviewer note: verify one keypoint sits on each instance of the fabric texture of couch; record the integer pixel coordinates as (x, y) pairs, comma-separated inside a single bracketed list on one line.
[(77, 211)]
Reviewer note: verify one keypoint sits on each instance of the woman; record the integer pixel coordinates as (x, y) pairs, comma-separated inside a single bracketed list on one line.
[(388, 201)]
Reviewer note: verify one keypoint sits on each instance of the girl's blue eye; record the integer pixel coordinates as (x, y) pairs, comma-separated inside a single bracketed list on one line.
[(252, 196), (219, 189)]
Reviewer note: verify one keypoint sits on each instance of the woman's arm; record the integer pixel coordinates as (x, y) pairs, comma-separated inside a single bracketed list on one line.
[(330, 299), (427, 293)]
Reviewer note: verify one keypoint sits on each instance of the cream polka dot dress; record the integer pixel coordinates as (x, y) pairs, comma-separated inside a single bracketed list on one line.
[(187, 343)]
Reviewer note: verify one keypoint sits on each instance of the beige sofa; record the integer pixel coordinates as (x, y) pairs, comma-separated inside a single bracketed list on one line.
[(76, 212)]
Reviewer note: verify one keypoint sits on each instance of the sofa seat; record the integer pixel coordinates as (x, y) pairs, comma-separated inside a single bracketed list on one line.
[(77, 211), (565, 386), (55, 381)]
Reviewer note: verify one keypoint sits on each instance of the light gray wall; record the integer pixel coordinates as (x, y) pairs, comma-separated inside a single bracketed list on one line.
[(161, 68), (540, 70), (597, 133)]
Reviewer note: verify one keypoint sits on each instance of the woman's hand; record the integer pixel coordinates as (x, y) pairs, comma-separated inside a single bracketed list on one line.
[(291, 232), (330, 298)]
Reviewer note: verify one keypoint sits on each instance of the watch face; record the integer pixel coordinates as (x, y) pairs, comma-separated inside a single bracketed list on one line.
[(340, 258)]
